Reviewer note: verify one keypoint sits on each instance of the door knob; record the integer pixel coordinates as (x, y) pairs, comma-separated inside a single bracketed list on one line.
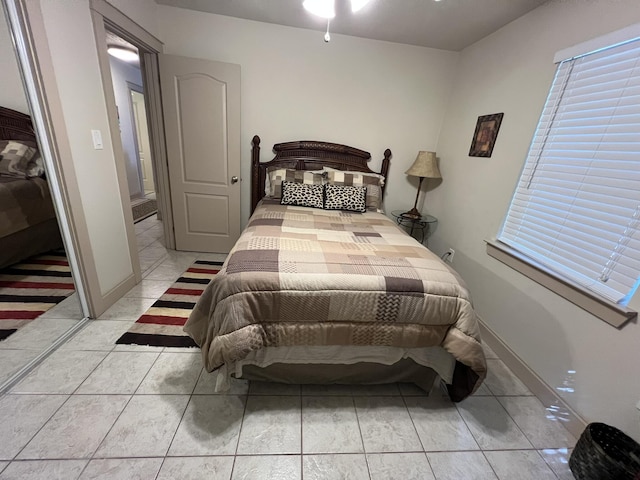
[(234, 179)]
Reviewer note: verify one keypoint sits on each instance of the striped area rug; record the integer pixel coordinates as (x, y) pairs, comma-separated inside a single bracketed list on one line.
[(30, 288), (161, 325)]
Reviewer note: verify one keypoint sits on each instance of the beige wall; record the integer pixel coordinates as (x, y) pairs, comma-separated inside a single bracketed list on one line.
[(511, 72), (75, 62), (12, 93), (143, 12), (368, 94)]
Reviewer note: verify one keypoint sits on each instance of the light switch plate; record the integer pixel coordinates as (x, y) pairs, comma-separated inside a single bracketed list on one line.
[(96, 135)]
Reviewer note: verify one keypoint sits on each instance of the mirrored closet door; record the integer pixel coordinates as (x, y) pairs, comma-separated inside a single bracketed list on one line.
[(39, 303)]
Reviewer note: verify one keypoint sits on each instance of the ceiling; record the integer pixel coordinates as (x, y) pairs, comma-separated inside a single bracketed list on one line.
[(445, 24), (115, 40)]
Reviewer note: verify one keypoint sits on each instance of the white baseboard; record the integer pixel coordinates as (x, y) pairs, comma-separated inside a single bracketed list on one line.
[(546, 394)]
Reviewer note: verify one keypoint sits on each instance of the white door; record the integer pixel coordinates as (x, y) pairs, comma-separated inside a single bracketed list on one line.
[(142, 137), (201, 103)]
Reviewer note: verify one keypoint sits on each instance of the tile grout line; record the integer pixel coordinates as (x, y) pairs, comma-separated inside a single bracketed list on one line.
[(364, 448), (244, 412), (486, 459), (404, 401), (184, 412), (301, 437)]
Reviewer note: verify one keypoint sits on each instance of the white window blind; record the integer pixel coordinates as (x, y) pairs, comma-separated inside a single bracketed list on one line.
[(576, 209)]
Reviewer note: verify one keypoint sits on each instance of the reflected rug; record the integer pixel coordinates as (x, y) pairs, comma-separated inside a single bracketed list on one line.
[(144, 209), (30, 288), (161, 325)]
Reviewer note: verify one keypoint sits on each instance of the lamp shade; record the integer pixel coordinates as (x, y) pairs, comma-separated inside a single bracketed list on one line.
[(425, 166)]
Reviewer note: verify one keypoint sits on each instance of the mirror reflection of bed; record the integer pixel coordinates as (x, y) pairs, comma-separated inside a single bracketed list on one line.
[(38, 303)]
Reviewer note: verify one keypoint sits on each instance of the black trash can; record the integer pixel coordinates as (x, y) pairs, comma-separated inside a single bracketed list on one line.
[(605, 453)]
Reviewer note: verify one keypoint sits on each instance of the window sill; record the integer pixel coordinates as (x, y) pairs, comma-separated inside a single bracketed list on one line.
[(610, 312)]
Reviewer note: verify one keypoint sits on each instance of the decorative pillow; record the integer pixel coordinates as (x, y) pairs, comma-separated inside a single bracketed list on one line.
[(276, 176), (372, 181), (302, 195), (16, 160), (343, 197), (367, 174), (36, 166)]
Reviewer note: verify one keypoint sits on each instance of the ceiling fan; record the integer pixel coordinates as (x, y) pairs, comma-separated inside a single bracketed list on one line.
[(326, 9)]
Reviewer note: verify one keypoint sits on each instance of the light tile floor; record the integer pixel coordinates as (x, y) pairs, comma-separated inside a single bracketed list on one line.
[(94, 410)]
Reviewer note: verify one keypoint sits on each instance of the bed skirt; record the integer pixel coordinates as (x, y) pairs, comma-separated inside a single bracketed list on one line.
[(404, 371), (342, 365)]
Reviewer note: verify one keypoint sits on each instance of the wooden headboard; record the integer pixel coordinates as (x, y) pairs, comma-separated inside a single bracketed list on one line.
[(309, 155), (16, 126)]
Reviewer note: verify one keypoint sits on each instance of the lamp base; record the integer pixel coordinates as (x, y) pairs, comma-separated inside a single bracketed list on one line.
[(413, 214)]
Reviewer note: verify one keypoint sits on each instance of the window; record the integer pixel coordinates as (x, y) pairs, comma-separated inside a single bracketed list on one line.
[(576, 208)]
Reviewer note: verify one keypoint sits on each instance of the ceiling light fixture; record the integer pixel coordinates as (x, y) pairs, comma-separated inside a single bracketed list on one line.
[(123, 53), (356, 5), (321, 8), (326, 9)]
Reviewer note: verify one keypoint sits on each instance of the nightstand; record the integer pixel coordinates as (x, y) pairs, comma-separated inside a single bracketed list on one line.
[(420, 225)]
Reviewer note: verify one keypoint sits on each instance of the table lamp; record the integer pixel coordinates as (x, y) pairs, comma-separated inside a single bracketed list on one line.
[(425, 166)]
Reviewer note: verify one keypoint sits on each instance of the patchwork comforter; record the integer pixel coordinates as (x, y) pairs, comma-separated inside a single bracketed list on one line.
[(302, 276)]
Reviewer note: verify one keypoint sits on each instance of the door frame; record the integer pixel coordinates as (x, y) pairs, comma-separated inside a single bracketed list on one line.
[(106, 16), (132, 87)]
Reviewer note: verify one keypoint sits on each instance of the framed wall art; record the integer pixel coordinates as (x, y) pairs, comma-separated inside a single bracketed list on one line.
[(484, 138)]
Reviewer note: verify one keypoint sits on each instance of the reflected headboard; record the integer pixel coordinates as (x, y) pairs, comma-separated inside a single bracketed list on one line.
[(16, 126), (309, 155)]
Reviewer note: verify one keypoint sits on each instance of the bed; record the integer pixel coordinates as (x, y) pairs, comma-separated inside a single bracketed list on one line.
[(311, 295), (28, 224)]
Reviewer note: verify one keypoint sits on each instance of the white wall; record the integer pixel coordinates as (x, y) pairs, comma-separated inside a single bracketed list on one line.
[(12, 92), (368, 94), (72, 45), (143, 12), (121, 73), (511, 72)]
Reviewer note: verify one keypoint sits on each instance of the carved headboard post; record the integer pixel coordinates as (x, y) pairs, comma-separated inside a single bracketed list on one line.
[(385, 168), (256, 173), (16, 126)]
